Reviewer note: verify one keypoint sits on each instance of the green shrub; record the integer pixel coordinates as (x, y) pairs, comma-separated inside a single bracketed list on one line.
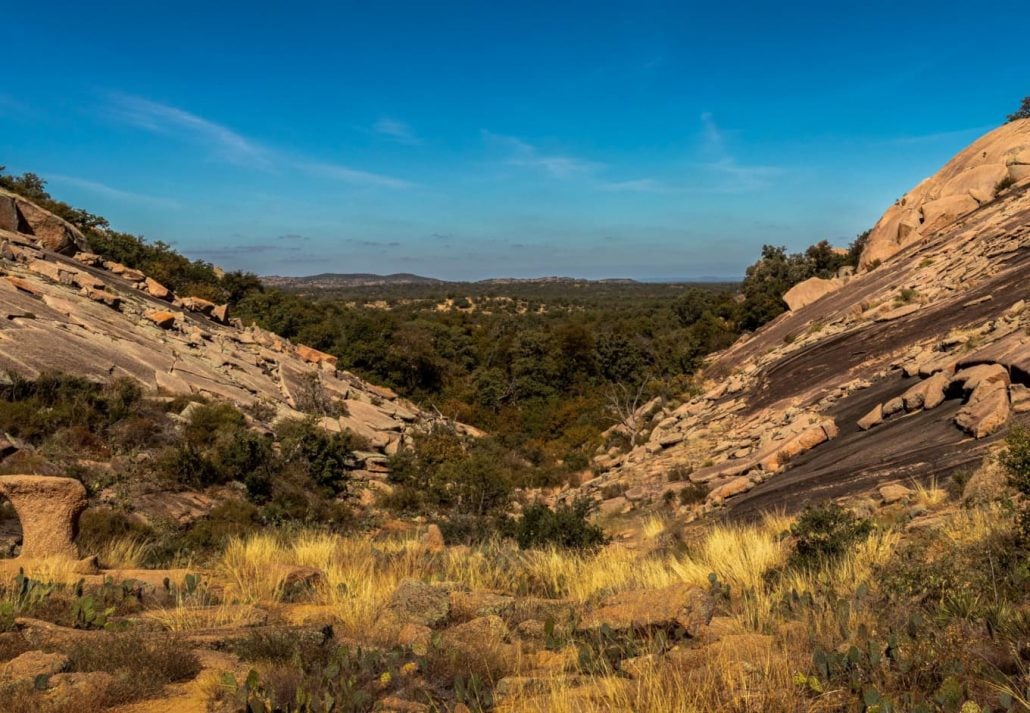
[(907, 295), (308, 678), (679, 473), (693, 494), (217, 447), (323, 456), (232, 518), (825, 532), (1016, 461), (1023, 112), (568, 526), (34, 410)]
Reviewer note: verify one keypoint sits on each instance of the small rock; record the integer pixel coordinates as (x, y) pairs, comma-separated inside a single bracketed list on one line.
[(163, 319), (156, 289), (419, 603), (433, 540), (393, 704), (31, 664), (873, 418), (417, 637), (682, 605), (894, 493), (471, 605)]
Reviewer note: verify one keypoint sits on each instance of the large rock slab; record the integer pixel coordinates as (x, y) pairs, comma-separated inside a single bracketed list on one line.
[(49, 231), (986, 411), (961, 186), (806, 292)]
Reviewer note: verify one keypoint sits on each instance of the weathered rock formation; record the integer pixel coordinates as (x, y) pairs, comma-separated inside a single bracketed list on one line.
[(908, 370), (19, 215), (812, 289), (49, 510), (967, 181), (82, 315)]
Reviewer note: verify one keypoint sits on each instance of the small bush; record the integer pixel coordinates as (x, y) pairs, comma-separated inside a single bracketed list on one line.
[(907, 295), (217, 447), (1016, 462), (1003, 185), (325, 457), (141, 667), (338, 679), (1023, 112), (679, 473), (824, 533), (232, 518), (567, 527), (693, 494)]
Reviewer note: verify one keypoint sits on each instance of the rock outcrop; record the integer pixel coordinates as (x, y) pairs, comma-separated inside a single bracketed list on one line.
[(18, 215), (967, 181), (812, 289), (65, 309), (49, 510), (908, 370)]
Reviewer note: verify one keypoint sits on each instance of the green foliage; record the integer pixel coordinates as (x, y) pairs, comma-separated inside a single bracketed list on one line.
[(309, 676), (567, 526), (1023, 112), (325, 457), (446, 473), (824, 533), (86, 614), (906, 295), (217, 447), (776, 271), (158, 260), (33, 410), (1016, 462), (693, 494), (23, 596)]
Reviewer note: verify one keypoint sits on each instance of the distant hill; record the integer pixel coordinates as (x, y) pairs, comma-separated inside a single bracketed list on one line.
[(555, 279), (351, 279), (330, 280)]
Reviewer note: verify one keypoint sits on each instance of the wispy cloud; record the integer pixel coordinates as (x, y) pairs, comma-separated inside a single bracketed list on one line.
[(231, 146), (396, 130), (102, 189), (372, 243), (236, 252), (521, 153), (720, 162), (347, 174), (169, 120)]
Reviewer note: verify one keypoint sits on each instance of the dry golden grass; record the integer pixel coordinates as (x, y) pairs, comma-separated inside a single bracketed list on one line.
[(930, 496), (361, 574), (123, 553)]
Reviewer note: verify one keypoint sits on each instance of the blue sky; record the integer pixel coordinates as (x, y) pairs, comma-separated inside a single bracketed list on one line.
[(473, 139)]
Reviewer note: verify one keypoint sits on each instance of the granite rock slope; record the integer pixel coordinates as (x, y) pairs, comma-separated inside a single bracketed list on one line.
[(907, 370), (65, 309)]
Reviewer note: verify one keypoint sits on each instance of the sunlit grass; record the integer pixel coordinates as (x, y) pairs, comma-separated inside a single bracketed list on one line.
[(123, 553), (930, 495)]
